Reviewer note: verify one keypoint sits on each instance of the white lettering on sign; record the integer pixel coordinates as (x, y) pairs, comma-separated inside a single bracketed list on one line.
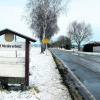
[(12, 46)]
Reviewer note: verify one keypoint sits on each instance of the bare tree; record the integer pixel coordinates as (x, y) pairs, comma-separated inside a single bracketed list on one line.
[(43, 17), (79, 32), (64, 42)]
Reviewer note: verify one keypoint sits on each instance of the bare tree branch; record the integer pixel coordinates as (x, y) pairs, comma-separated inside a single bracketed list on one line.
[(79, 32), (43, 17)]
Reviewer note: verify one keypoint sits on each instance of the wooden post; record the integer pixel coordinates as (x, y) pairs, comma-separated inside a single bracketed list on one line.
[(27, 62)]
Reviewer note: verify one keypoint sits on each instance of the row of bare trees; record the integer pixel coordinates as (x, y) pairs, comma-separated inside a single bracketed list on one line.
[(62, 42), (42, 19)]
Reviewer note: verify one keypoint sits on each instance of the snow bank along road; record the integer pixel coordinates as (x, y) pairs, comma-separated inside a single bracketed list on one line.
[(88, 77), (45, 81)]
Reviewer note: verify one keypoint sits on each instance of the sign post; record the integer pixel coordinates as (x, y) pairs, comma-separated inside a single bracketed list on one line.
[(27, 62)]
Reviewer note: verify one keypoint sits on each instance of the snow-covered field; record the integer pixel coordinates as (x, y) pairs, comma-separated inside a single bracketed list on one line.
[(45, 81)]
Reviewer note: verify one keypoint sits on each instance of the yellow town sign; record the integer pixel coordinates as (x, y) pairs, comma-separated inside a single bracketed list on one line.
[(45, 41)]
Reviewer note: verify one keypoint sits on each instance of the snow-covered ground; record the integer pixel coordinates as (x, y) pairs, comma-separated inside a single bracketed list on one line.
[(45, 81)]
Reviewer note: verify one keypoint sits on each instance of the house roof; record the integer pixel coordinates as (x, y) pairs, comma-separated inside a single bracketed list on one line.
[(16, 33)]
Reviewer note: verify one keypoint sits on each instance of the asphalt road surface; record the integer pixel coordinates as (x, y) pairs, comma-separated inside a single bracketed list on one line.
[(88, 77)]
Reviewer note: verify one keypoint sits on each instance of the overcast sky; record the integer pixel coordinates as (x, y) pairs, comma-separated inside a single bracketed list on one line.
[(83, 10), (12, 12)]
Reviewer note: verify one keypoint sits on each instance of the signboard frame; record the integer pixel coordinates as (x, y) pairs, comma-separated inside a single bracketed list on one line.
[(27, 49)]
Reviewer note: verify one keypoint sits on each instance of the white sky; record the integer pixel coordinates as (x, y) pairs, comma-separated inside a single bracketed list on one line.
[(83, 10), (12, 11), (12, 16)]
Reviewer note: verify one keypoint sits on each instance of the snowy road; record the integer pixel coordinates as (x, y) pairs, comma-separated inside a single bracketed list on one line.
[(89, 78)]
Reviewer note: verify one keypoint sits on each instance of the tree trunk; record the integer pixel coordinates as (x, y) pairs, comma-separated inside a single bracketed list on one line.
[(79, 47), (43, 47)]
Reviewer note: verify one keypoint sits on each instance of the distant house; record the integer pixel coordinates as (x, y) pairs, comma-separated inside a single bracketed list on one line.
[(92, 47)]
